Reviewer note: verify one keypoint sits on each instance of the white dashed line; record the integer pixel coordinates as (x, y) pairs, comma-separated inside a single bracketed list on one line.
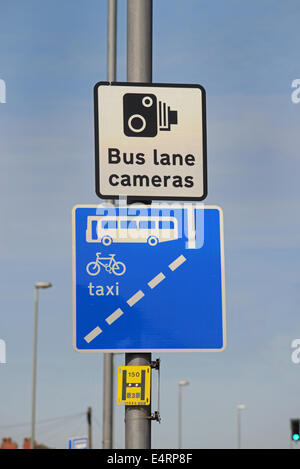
[(114, 316), (156, 280), (93, 334), (135, 298), (177, 263)]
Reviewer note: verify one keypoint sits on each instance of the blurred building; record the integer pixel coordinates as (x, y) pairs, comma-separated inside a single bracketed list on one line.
[(7, 443), (27, 443)]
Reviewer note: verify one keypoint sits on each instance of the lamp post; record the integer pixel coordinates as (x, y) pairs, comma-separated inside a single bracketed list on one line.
[(239, 408), (37, 286), (180, 385)]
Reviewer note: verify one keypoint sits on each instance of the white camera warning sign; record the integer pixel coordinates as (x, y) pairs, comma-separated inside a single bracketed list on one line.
[(150, 141)]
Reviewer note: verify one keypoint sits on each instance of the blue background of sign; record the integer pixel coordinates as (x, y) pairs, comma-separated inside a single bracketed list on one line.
[(183, 312)]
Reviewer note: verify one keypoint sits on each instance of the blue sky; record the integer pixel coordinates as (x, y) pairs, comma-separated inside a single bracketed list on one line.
[(245, 54)]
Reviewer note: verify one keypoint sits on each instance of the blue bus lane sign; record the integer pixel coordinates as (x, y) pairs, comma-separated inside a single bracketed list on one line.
[(148, 278)]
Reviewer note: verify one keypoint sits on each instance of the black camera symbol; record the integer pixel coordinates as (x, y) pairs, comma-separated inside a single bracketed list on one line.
[(143, 116)]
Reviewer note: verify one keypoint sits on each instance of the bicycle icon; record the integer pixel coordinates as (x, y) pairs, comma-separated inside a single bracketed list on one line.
[(111, 265)]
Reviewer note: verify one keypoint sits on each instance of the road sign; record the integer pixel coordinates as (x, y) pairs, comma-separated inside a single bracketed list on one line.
[(148, 278), (150, 141), (134, 385), (78, 443)]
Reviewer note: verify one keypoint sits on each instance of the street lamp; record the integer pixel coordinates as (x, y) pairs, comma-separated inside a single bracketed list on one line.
[(180, 385), (37, 286), (239, 408)]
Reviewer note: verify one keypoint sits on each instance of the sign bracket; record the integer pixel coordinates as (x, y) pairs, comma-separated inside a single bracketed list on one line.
[(155, 365)]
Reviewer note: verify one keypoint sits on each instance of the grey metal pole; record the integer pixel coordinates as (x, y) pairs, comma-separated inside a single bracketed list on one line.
[(89, 421), (138, 418), (108, 393), (33, 405), (108, 359), (179, 416), (239, 428), (35, 327), (139, 40), (180, 386), (112, 6), (240, 407), (139, 69)]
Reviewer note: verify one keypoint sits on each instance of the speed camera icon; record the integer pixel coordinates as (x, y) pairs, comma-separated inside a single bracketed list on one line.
[(144, 115)]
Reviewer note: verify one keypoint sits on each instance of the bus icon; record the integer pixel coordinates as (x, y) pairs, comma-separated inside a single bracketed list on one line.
[(130, 229)]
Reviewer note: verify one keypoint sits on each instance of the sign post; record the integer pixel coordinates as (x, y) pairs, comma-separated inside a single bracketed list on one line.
[(108, 358), (147, 277), (139, 69)]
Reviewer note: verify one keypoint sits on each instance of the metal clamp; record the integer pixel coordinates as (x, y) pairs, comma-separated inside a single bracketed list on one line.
[(155, 416), (155, 365)]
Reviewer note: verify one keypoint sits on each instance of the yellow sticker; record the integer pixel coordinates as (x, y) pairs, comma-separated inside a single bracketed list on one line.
[(134, 385)]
